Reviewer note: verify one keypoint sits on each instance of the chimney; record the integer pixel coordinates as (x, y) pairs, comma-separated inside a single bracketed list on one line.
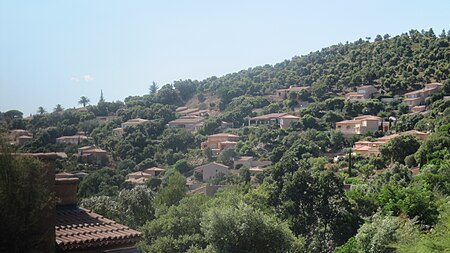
[(66, 190)]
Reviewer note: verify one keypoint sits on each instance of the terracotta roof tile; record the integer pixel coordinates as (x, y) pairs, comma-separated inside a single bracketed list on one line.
[(79, 228)]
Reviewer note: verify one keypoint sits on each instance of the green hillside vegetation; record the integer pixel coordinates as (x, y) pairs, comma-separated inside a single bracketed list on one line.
[(316, 196)]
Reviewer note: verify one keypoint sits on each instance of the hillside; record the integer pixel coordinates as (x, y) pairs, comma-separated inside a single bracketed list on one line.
[(345, 149)]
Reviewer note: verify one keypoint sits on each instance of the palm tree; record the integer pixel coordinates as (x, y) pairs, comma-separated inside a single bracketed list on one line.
[(58, 108), (83, 101), (41, 110)]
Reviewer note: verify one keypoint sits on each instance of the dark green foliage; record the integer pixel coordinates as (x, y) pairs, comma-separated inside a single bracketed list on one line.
[(173, 192), (26, 201), (177, 229), (407, 122), (131, 207), (245, 229), (435, 146), (397, 149), (316, 207), (105, 181)]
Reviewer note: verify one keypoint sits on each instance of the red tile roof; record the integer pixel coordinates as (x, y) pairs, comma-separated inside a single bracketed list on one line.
[(79, 228)]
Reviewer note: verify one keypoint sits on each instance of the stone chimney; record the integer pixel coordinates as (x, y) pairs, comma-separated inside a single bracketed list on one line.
[(66, 190)]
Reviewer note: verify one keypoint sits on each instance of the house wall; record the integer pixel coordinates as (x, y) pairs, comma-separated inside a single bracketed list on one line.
[(286, 123), (212, 170), (370, 125), (346, 129)]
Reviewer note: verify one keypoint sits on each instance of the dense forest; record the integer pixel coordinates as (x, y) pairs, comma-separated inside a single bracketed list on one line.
[(316, 196)]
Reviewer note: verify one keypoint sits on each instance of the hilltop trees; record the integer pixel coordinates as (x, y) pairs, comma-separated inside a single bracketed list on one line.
[(58, 108), (84, 101)]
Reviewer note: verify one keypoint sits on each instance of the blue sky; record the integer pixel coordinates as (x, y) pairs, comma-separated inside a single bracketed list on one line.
[(54, 52)]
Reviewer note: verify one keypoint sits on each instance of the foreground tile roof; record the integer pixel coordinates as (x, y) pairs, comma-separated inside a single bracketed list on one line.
[(79, 228)]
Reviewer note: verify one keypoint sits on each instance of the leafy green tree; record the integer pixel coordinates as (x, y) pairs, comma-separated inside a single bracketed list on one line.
[(105, 181), (83, 101), (58, 108), (244, 173), (435, 143), (226, 156), (153, 88), (136, 206), (397, 149), (26, 201), (407, 122), (168, 95), (317, 208), (41, 110), (177, 229), (182, 166), (173, 192), (247, 230), (376, 234)]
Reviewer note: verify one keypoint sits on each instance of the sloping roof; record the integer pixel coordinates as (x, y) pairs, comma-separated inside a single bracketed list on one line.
[(348, 122), (154, 169), (200, 168), (182, 108), (224, 135), (354, 94), (24, 137), (296, 88), (187, 120), (91, 149), (414, 92), (79, 228), (44, 155), (137, 120), (288, 116), (367, 117), (139, 173), (72, 137), (269, 116)]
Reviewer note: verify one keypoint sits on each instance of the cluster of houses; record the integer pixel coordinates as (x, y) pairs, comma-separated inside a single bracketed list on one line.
[(143, 176), (19, 136), (414, 99), (219, 142), (362, 125), (369, 148), (190, 119)]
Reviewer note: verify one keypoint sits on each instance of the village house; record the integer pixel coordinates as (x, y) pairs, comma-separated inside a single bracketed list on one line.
[(190, 123), (218, 142), (118, 132), (138, 177), (362, 125), (79, 230), (105, 119), (284, 120), (23, 139), (250, 162), (185, 111), (14, 133), (417, 97), (368, 148), (134, 122), (154, 171), (362, 93), (284, 93), (206, 189), (74, 139), (92, 154), (141, 177), (212, 170)]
